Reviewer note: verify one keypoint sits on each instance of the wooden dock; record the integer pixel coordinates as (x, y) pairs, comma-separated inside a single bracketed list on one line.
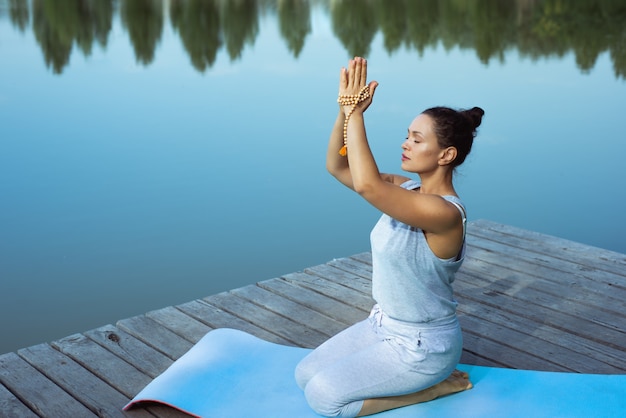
[(526, 301)]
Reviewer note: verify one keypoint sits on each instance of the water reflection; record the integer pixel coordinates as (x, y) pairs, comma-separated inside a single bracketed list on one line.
[(294, 18), (535, 28), (143, 19), (58, 26), (198, 24), (19, 14)]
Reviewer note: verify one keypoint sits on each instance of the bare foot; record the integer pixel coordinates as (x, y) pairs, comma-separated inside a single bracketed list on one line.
[(458, 381)]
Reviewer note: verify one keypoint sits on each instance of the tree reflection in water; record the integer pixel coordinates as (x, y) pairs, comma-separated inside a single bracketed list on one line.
[(537, 29)]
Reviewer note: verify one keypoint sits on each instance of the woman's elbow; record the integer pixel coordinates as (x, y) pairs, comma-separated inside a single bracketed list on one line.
[(336, 171), (364, 189)]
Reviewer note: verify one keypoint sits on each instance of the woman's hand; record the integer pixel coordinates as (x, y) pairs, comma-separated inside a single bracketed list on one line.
[(352, 80)]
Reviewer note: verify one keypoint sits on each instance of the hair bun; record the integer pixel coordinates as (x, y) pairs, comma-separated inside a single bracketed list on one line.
[(475, 115)]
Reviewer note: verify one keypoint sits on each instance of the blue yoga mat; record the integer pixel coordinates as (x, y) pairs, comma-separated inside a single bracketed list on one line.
[(230, 373)]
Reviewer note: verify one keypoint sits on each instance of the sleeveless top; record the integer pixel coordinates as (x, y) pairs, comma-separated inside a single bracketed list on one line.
[(409, 282)]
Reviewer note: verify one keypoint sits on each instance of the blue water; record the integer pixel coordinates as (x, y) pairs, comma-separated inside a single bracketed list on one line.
[(127, 187)]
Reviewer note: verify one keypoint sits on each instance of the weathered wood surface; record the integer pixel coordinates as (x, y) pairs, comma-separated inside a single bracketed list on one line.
[(526, 301)]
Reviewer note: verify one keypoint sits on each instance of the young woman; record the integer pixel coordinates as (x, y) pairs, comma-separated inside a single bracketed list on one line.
[(407, 350)]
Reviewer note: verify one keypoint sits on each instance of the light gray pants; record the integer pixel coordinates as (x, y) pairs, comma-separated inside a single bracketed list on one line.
[(378, 357)]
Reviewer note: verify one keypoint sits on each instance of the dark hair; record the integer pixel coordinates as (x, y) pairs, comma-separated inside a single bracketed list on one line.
[(456, 128)]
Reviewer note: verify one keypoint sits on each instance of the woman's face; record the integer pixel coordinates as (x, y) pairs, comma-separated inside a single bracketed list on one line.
[(421, 151)]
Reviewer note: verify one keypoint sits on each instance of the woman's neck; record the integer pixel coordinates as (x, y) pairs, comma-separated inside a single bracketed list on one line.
[(438, 182)]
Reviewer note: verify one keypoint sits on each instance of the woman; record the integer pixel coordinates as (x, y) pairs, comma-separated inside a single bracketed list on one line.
[(407, 350)]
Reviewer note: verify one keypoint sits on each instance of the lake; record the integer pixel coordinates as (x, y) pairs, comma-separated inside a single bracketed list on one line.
[(155, 152)]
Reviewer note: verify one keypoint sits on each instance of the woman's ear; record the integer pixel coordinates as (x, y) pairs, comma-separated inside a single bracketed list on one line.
[(447, 156)]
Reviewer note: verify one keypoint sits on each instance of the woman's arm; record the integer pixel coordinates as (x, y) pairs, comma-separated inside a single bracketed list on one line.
[(429, 212), (336, 164)]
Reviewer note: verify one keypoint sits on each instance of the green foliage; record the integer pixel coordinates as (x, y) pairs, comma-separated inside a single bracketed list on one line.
[(240, 25), (18, 10), (537, 29), (355, 24), (144, 21), (198, 23), (294, 19), (60, 25)]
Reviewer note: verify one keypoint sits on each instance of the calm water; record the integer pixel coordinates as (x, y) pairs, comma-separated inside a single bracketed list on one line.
[(154, 152)]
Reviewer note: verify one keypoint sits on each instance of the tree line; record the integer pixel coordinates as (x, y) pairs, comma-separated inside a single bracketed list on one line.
[(535, 28)]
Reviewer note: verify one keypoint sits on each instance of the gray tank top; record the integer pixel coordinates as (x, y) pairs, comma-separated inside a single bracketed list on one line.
[(409, 282)]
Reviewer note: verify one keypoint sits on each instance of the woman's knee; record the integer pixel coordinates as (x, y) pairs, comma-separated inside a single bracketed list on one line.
[(302, 375), (319, 395), (324, 399)]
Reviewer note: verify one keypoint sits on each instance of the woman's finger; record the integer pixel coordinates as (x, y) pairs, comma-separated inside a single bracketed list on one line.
[(372, 86), (351, 74), (356, 82), (360, 73), (343, 80)]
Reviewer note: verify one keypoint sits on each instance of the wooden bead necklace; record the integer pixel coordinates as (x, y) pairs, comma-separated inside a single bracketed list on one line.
[(351, 100)]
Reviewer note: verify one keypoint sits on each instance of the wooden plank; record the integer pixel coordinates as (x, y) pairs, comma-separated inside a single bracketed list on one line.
[(107, 366), (471, 358), (297, 334), (142, 356), (341, 294), (365, 258), (340, 312), (289, 309), (112, 369), (533, 305), (600, 260), (10, 406), (528, 303), (156, 336), (354, 265), (598, 357), (340, 276), (218, 318), (555, 357), (95, 394), (551, 291), (545, 267), (500, 353), (559, 286), (583, 305), (550, 269), (39, 393), (178, 322)]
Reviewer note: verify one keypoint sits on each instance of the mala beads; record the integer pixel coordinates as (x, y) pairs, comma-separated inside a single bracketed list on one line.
[(350, 100)]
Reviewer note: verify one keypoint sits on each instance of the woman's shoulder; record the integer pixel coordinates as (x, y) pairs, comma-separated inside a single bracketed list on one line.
[(410, 184)]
